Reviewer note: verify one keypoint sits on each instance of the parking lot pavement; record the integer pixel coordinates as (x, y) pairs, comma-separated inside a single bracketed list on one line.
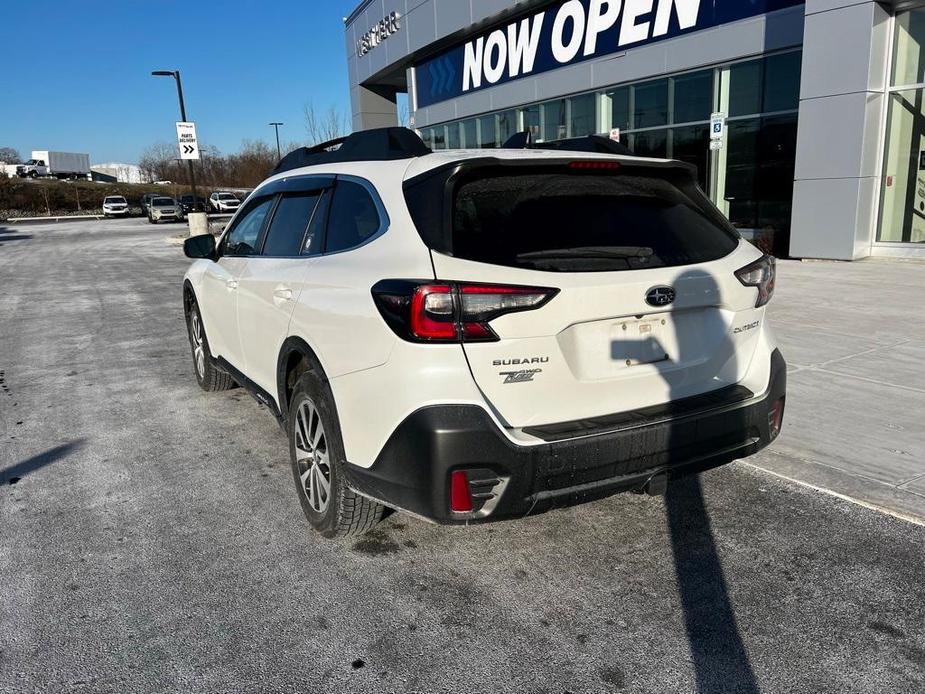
[(151, 539), (856, 405)]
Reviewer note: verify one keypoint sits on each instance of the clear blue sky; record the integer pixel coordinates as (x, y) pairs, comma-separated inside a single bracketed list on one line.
[(76, 75)]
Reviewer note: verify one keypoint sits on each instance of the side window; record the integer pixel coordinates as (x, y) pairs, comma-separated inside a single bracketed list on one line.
[(242, 240), (290, 222), (353, 219)]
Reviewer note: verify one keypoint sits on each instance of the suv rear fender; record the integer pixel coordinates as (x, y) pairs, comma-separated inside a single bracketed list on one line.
[(372, 403)]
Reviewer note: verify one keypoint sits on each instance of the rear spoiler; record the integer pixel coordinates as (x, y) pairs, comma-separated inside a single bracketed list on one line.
[(591, 143)]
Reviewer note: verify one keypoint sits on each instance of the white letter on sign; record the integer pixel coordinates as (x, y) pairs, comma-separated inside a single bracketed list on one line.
[(687, 15), (575, 11), (472, 68), (600, 21), (494, 67), (630, 32), (522, 45)]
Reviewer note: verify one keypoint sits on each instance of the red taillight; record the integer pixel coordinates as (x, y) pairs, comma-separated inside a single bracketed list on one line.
[(433, 313), (460, 497), (761, 274), (594, 164), (452, 311)]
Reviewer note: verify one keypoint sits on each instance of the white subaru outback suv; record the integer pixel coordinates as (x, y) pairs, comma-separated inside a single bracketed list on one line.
[(469, 336)]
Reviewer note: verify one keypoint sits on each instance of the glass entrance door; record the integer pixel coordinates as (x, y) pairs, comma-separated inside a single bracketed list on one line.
[(902, 209)]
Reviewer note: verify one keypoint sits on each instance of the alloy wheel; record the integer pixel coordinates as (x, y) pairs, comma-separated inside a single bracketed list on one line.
[(199, 350), (312, 459)]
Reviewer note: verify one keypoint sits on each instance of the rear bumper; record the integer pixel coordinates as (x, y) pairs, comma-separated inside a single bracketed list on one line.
[(412, 472)]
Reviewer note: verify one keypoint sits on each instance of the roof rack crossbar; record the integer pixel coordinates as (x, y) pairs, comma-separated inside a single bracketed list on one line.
[(380, 144)]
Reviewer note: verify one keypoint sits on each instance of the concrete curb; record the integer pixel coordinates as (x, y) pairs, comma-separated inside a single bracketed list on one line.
[(84, 218), (40, 220)]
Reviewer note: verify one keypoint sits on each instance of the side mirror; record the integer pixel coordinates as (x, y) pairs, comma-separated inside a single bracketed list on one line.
[(200, 246)]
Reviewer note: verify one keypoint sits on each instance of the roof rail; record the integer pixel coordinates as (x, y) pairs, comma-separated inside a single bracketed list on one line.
[(380, 144), (590, 143)]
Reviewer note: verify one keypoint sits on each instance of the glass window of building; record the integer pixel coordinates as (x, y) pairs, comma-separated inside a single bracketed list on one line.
[(745, 88), (554, 126), (650, 104), (902, 209), (693, 97), (427, 134), (488, 136), (440, 137), (908, 55), (653, 143), (619, 107), (690, 144), (452, 136), (507, 126), (470, 134), (531, 120), (782, 82), (582, 118)]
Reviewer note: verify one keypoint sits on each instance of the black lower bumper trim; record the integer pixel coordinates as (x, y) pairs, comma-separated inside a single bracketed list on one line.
[(412, 472)]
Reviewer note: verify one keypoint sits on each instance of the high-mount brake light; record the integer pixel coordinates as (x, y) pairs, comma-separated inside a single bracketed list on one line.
[(452, 311), (761, 274), (594, 164)]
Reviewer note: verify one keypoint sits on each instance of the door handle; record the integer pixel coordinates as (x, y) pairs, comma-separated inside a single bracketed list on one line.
[(231, 284), (282, 294)]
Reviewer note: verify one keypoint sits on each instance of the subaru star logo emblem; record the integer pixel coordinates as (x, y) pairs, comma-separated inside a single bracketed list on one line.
[(660, 296)]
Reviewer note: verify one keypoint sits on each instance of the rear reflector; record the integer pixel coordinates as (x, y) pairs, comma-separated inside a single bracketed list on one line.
[(776, 418), (460, 497)]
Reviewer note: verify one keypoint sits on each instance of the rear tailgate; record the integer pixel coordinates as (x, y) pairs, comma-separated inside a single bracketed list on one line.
[(647, 302), (598, 348)]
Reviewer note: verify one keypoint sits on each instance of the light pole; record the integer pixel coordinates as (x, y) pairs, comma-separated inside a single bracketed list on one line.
[(279, 152), (192, 172)]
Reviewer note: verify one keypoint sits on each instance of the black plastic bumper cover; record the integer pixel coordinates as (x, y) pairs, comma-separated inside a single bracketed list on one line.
[(412, 472)]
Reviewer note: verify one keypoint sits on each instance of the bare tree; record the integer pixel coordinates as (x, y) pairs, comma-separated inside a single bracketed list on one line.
[(323, 127), (8, 155)]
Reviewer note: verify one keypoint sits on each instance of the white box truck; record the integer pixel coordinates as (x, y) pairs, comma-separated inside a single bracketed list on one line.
[(55, 164)]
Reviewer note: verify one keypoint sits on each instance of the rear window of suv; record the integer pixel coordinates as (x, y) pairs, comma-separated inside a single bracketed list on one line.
[(565, 221)]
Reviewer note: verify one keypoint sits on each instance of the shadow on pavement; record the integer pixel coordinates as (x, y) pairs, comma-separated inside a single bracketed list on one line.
[(717, 650), (13, 474)]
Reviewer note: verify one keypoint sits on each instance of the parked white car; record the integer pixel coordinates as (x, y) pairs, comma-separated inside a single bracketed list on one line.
[(164, 210), (224, 202), (471, 336), (115, 206)]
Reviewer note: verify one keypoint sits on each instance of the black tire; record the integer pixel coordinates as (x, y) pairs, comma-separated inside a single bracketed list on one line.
[(151, 220), (208, 376), (346, 513)]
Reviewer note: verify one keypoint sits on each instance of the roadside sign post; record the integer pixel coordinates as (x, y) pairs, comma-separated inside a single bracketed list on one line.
[(717, 127), (186, 140), (194, 145)]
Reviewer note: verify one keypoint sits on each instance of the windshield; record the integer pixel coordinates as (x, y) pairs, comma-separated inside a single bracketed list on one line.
[(163, 202), (226, 196), (114, 200)]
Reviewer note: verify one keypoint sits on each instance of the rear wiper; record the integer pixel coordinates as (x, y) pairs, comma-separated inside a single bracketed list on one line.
[(608, 252)]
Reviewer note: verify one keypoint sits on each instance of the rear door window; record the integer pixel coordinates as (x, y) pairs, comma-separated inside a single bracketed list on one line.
[(286, 235), (581, 222)]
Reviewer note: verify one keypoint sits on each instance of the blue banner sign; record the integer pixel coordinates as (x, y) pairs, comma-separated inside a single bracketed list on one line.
[(569, 32)]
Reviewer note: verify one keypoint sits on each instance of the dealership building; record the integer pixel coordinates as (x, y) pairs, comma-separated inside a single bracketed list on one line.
[(805, 119)]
